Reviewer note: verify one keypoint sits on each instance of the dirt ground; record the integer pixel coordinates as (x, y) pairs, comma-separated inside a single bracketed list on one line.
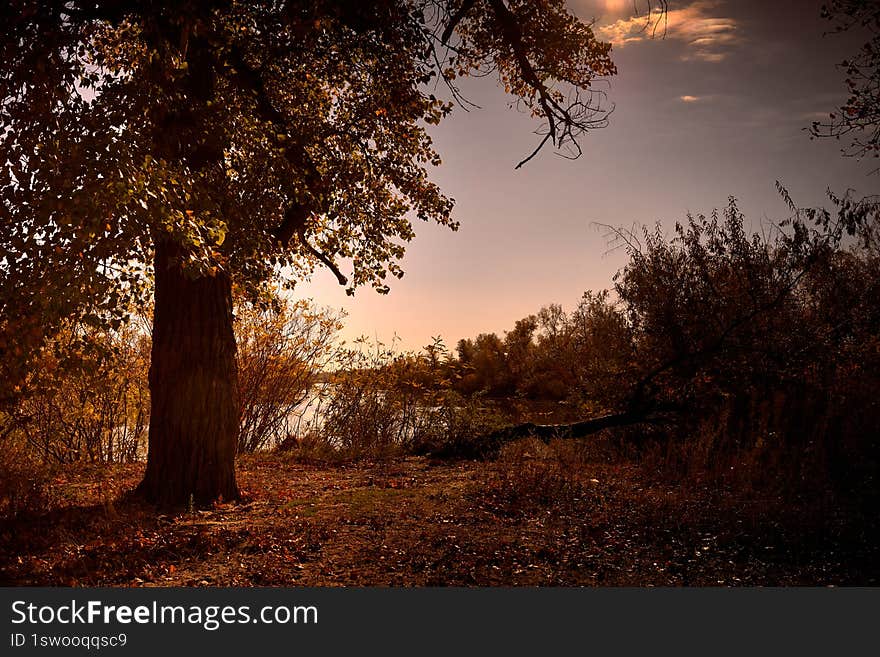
[(414, 522)]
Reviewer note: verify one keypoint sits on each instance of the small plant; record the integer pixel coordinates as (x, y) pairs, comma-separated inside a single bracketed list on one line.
[(24, 482), (530, 477)]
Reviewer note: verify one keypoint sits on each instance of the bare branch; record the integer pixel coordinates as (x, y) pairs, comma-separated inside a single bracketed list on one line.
[(536, 151), (511, 30)]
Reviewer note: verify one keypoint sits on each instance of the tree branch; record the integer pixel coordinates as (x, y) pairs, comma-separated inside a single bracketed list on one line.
[(322, 257), (513, 35), (294, 223), (455, 20), (296, 215)]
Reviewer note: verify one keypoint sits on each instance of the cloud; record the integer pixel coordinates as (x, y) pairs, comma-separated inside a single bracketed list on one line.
[(689, 99), (708, 37)]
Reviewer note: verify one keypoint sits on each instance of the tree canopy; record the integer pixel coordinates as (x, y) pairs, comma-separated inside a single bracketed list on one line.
[(192, 147), (264, 137)]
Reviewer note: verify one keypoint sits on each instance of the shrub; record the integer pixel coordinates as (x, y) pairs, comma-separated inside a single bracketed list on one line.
[(282, 350), (86, 399), (23, 481), (369, 406), (531, 477), (455, 426)]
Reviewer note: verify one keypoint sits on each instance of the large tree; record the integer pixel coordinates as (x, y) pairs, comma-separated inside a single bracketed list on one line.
[(187, 147)]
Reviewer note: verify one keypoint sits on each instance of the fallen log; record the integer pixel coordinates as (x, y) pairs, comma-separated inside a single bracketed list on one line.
[(581, 429), (488, 445)]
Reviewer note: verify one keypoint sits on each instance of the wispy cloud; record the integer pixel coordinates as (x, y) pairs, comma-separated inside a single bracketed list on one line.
[(709, 37)]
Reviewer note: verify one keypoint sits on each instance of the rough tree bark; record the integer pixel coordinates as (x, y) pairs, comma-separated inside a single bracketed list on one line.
[(193, 387)]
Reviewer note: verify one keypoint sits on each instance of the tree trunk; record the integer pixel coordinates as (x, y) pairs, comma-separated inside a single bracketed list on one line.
[(547, 432), (194, 407), (489, 445)]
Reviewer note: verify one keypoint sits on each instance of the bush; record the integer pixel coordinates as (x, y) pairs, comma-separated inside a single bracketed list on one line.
[(282, 350), (456, 427), (24, 482), (530, 477), (86, 399), (369, 407), (379, 403), (768, 345)]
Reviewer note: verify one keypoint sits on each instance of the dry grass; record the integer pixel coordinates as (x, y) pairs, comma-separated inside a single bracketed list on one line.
[(539, 515)]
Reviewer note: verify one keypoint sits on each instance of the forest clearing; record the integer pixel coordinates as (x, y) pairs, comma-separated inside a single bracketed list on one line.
[(538, 516)]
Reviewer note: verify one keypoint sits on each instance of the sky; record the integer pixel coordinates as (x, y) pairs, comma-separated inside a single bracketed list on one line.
[(714, 104)]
